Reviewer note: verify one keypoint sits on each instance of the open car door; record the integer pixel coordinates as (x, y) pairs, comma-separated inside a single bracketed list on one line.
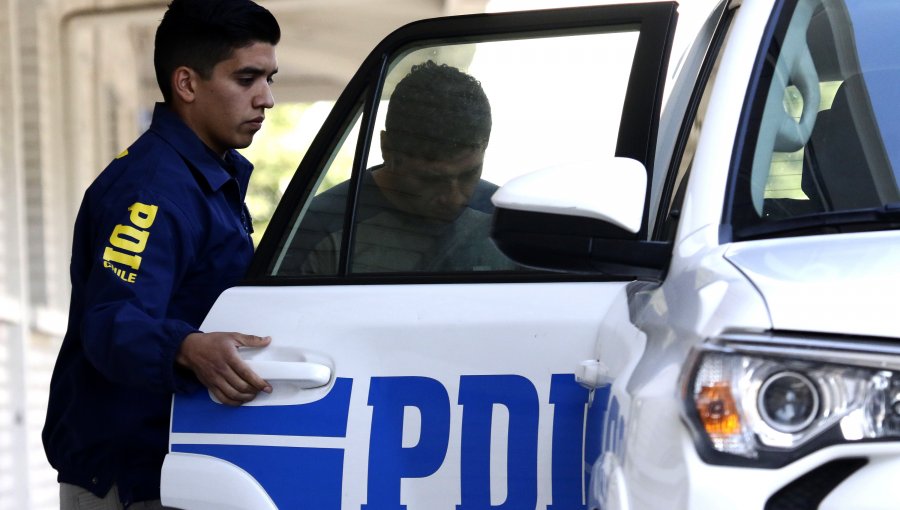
[(445, 378)]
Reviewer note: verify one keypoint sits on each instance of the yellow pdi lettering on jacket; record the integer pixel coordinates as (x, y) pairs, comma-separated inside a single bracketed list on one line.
[(127, 241)]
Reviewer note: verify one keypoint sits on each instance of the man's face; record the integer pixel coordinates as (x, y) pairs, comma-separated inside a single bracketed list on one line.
[(435, 189), (230, 106)]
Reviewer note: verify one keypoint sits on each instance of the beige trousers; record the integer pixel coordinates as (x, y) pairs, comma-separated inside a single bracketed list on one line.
[(72, 497)]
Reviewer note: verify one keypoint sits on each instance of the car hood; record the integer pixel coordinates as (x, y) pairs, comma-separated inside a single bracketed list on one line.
[(841, 284)]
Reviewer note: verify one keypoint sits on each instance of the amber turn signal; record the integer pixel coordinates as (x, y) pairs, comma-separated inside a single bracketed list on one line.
[(717, 410)]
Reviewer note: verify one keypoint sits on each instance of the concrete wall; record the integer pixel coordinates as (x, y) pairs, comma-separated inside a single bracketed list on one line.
[(37, 198)]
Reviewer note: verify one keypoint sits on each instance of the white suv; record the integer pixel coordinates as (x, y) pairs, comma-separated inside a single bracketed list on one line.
[(696, 305)]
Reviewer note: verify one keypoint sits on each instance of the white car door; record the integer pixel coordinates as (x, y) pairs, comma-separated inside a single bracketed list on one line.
[(445, 380)]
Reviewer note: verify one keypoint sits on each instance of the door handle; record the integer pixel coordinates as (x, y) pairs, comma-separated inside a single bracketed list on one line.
[(303, 373)]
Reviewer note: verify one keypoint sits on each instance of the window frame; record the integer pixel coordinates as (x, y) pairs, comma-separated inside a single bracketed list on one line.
[(636, 139), (671, 195), (747, 135)]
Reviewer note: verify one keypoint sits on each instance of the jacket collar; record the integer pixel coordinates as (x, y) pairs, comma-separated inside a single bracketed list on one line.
[(168, 125)]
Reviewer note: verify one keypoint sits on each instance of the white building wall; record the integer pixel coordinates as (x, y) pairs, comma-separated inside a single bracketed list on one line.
[(15, 430), (39, 193)]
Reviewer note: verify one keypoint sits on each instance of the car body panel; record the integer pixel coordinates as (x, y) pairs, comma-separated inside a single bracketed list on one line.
[(832, 283), (400, 353), (702, 296), (709, 175)]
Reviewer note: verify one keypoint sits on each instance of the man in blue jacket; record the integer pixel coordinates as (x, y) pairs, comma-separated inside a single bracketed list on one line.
[(160, 234)]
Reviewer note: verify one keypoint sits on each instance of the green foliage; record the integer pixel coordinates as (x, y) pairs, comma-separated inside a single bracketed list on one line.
[(276, 152)]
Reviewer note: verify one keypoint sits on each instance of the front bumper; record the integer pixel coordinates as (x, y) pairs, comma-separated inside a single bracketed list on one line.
[(847, 476)]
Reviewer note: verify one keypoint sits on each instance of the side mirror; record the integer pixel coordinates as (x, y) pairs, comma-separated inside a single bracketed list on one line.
[(579, 218), (611, 191)]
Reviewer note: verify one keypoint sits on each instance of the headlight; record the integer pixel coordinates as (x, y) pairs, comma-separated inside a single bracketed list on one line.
[(788, 401), (767, 399)]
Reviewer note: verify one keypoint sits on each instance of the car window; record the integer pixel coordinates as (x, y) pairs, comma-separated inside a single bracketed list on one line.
[(827, 153), (329, 208), (453, 123)]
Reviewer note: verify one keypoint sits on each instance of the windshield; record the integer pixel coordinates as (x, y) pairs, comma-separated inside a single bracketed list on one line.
[(827, 151)]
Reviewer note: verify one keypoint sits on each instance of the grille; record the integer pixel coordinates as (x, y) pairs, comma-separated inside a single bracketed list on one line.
[(806, 492)]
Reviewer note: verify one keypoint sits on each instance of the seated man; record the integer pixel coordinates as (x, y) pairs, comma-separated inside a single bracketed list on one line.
[(425, 208)]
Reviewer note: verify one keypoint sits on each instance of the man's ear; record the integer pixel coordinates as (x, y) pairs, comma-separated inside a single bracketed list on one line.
[(184, 84)]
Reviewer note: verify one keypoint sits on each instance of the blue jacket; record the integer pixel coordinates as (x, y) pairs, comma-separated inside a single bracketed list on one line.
[(161, 232)]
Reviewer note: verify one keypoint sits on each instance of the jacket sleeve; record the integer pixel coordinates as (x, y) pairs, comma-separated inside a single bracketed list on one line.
[(140, 251)]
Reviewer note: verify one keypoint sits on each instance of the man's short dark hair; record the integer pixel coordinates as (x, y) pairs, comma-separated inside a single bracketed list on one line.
[(436, 111), (201, 33)]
